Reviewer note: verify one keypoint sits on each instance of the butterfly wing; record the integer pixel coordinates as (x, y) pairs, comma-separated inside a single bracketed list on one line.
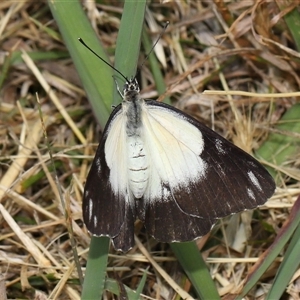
[(106, 212), (202, 176)]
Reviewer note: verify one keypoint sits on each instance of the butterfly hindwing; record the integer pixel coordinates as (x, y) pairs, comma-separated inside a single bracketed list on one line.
[(166, 222)]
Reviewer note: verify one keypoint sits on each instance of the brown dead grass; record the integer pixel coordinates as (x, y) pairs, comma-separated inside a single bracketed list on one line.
[(35, 252)]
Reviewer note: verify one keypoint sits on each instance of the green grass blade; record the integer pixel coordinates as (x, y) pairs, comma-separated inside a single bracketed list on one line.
[(274, 250), (280, 147), (95, 76), (291, 259), (46, 29), (38, 56), (277, 149), (194, 266), (155, 69), (292, 20), (128, 42), (141, 286), (95, 269)]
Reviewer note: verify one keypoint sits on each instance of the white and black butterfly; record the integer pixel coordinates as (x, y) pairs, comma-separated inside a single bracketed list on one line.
[(176, 175)]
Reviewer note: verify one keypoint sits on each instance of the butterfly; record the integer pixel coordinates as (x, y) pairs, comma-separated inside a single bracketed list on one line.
[(162, 166)]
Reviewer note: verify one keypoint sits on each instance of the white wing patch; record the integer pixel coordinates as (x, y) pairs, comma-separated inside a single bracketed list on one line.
[(95, 220), (90, 202), (254, 180), (250, 193), (165, 151), (174, 146), (116, 153)]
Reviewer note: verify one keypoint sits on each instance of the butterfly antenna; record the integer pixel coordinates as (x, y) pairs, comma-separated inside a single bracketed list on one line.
[(147, 56), (89, 48)]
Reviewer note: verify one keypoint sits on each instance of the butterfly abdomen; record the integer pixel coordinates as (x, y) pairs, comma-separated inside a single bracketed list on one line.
[(138, 171)]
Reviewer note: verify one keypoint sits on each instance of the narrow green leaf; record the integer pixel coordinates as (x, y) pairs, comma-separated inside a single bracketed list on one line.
[(140, 287), (156, 71), (95, 269), (194, 266), (292, 20), (291, 259), (46, 29), (38, 55), (274, 250), (280, 147), (96, 77), (129, 42)]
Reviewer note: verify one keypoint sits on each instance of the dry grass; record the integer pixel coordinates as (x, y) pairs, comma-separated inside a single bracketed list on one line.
[(253, 55)]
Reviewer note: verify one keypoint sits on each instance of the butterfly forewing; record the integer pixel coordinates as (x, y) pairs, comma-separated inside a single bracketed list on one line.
[(232, 181)]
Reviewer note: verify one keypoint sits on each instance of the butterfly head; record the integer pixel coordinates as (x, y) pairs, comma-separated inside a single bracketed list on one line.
[(131, 87)]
